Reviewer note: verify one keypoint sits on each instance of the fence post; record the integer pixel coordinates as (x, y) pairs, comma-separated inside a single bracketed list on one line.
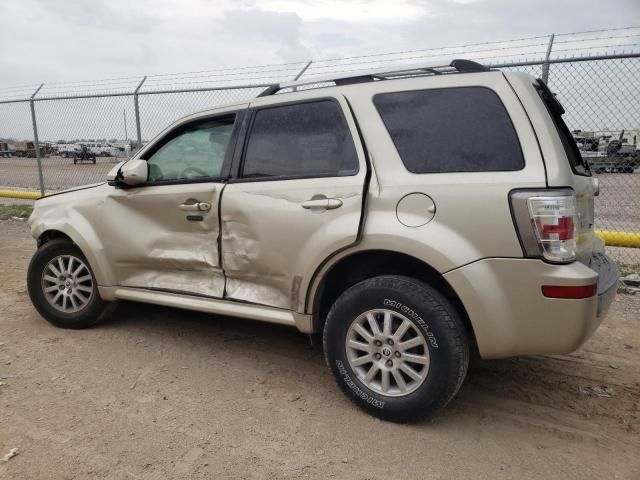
[(545, 65), (36, 143), (304, 69), (137, 111)]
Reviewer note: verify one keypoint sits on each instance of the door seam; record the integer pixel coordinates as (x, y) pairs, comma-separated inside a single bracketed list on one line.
[(219, 242)]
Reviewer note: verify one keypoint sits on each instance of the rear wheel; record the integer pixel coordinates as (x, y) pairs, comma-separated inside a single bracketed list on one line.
[(63, 288), (396, 347)]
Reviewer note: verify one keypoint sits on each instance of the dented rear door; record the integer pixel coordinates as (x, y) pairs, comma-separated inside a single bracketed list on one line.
[(296, 200)]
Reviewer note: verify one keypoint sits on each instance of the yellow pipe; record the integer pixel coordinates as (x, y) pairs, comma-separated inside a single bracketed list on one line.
[(20, 194), (620, 239)]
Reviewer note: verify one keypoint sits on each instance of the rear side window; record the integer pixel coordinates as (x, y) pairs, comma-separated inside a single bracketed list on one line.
[(300, 140), (464, 129)]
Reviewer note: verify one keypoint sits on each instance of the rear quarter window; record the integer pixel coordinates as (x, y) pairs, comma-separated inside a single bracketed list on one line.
[(462, 129)]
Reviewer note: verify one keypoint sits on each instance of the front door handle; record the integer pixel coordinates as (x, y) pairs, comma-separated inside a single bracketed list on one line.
[(195, 206), (322, 203)]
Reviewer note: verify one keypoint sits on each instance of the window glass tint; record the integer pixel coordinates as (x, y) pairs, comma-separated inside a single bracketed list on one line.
[(196, 153), (305, 139), (464, 129)]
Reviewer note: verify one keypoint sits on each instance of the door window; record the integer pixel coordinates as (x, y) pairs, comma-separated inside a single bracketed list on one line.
[(195, 153), (300, 140)]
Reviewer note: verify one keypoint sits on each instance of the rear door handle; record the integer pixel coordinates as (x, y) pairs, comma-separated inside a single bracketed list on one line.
[(195, 206), (322, 204)]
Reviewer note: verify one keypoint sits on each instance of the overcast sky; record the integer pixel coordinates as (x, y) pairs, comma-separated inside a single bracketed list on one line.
[(66, 40)]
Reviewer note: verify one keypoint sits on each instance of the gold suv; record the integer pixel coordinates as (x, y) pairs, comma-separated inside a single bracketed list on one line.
[(410, 217)]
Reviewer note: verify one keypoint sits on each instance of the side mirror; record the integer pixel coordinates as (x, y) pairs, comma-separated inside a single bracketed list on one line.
[(113, 173), (134, 172)]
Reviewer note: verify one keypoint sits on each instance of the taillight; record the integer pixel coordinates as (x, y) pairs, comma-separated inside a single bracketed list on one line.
[(546, 223)]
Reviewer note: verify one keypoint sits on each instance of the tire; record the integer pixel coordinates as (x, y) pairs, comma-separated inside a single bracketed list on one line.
[(86, 315), (430, 315)]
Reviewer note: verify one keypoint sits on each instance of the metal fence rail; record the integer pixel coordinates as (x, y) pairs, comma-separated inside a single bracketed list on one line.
[(600, 90)]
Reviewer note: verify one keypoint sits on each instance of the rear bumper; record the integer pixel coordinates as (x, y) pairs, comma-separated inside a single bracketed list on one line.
[(510, 316), (608, 276)]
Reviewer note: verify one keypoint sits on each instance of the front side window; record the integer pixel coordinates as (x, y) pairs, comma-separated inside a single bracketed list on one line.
[(195, 153), (463, 129), (300, 140)]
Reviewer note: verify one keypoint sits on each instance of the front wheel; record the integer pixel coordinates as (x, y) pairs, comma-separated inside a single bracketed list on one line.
[(396, 347), (63, 288)]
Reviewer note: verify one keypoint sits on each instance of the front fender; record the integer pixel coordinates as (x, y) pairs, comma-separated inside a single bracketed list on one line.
[(74, 215)]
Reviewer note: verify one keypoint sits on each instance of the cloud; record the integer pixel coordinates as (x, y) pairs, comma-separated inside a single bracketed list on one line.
[(70, 40), (278, 33)]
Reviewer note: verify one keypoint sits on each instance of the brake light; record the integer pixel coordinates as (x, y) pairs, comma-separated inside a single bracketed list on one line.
[(546, 222), (563, 229), (553, 221)]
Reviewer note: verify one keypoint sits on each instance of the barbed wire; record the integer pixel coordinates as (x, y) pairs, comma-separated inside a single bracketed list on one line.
[(618, 38)]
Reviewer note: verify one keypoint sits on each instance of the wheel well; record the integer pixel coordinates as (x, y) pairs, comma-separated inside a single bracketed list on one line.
[(52, 235), (362, 265)]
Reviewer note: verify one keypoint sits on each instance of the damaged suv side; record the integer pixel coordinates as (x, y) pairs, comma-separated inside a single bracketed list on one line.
[(410, 217)]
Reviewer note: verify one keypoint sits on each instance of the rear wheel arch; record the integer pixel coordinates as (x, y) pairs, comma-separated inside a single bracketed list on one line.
[(365, 264)]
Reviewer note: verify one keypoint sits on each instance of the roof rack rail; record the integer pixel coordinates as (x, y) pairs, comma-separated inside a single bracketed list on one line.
[(457, 65), (468, 66)]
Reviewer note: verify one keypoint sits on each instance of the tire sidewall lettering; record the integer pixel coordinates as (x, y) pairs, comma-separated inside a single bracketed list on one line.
[(370, 400), (415, 317)]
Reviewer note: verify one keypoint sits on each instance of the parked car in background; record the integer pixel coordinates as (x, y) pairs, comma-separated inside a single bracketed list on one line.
[(102, 149), (67, 150), (409, 221)]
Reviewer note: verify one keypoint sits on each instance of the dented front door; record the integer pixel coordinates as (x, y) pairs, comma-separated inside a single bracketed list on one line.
[(164, 235), (297, 199)]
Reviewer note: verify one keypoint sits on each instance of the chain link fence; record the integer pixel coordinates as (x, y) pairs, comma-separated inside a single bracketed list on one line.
[(61, 135)]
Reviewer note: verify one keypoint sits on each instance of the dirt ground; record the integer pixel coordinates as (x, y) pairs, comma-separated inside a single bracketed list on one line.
[(159, 393)]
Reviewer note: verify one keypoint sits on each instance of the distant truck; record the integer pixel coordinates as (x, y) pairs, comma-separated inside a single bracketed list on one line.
[(25, 149), (607, 154), (7, 149), (603, 163)]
